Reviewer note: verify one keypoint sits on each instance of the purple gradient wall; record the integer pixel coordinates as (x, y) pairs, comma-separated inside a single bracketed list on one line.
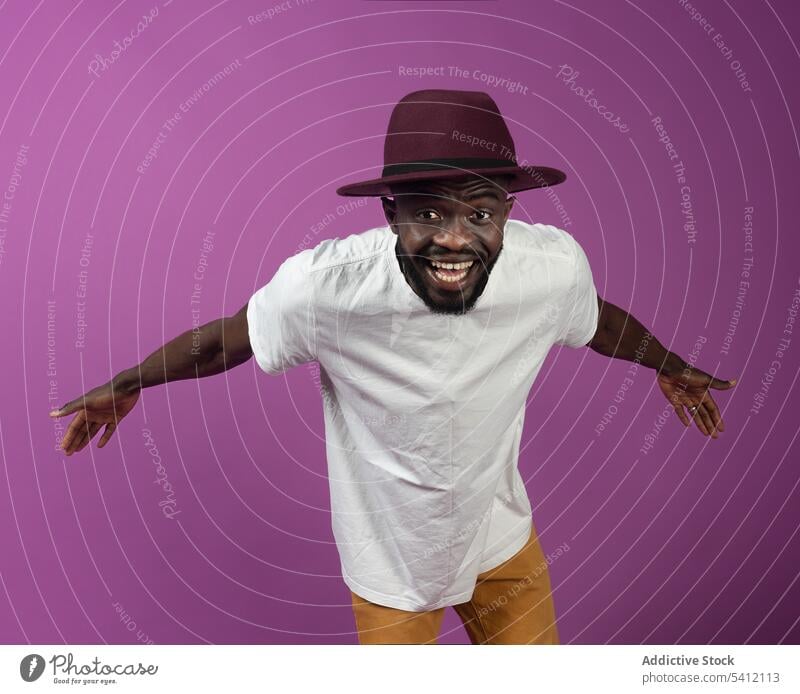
[(106, 253)]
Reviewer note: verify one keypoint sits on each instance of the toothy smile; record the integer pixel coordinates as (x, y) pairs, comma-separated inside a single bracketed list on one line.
[(450, 272)]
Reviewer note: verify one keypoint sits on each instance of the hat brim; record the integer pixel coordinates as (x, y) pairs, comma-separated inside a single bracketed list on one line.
[(523, 179)]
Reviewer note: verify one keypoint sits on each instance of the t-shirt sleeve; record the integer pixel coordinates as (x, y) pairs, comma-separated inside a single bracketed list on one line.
[(280, 317), (581, 312)]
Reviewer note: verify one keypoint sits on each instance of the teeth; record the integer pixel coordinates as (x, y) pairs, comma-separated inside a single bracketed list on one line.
[(451, 278), (452, 266)]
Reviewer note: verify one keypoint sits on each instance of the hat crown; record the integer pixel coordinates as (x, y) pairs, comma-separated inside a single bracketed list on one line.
[(443, 134), (433, 124)]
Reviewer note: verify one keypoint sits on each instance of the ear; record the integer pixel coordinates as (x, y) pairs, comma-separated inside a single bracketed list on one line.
[(390, 211), (509, 203)]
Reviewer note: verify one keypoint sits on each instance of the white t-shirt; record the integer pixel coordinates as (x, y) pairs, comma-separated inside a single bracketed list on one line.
[(423, 412)]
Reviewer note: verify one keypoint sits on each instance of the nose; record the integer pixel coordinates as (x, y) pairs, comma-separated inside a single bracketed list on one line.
[(454, 237)]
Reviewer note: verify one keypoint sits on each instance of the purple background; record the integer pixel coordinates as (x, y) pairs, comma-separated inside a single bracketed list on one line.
[(694, 541)]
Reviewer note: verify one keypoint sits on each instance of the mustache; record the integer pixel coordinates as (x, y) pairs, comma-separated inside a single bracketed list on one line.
[(462, 258)]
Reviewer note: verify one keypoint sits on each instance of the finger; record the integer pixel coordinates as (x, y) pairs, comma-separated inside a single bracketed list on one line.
[(74, 428), (682, 415), (107, 434), (719, 384), (713, 410), (698, 377), (69, 408), (707, 421), (93, 429), (80, 437), (77, 443), (698, 420)]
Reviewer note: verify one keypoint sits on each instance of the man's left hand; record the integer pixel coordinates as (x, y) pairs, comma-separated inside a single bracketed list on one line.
[(688, 388)]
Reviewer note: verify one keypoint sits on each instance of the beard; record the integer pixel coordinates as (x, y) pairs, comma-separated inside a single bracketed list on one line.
[(460, 303)]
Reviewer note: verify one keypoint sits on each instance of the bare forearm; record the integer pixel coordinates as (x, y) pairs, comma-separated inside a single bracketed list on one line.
[(204, 351), (621, 336)]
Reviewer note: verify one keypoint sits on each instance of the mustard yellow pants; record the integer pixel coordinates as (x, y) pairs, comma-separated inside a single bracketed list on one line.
[(512, 604)]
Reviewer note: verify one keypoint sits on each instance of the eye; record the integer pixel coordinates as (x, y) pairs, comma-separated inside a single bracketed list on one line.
[(428, 215), (482, 215)]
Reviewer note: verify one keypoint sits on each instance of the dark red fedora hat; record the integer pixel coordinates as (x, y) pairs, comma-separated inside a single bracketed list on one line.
[(438, 134)]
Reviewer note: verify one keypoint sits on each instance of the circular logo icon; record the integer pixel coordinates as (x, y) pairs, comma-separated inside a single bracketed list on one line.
[(31, 667)]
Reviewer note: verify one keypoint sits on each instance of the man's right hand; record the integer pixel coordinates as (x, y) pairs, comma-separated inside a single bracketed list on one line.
[(206, 350), (106, 404)]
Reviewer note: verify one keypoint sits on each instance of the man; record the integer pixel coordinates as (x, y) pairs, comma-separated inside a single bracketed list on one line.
[(429, 333)]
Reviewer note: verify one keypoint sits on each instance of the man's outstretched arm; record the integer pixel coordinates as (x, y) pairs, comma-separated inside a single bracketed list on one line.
[(621, 336), (210, 349)]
